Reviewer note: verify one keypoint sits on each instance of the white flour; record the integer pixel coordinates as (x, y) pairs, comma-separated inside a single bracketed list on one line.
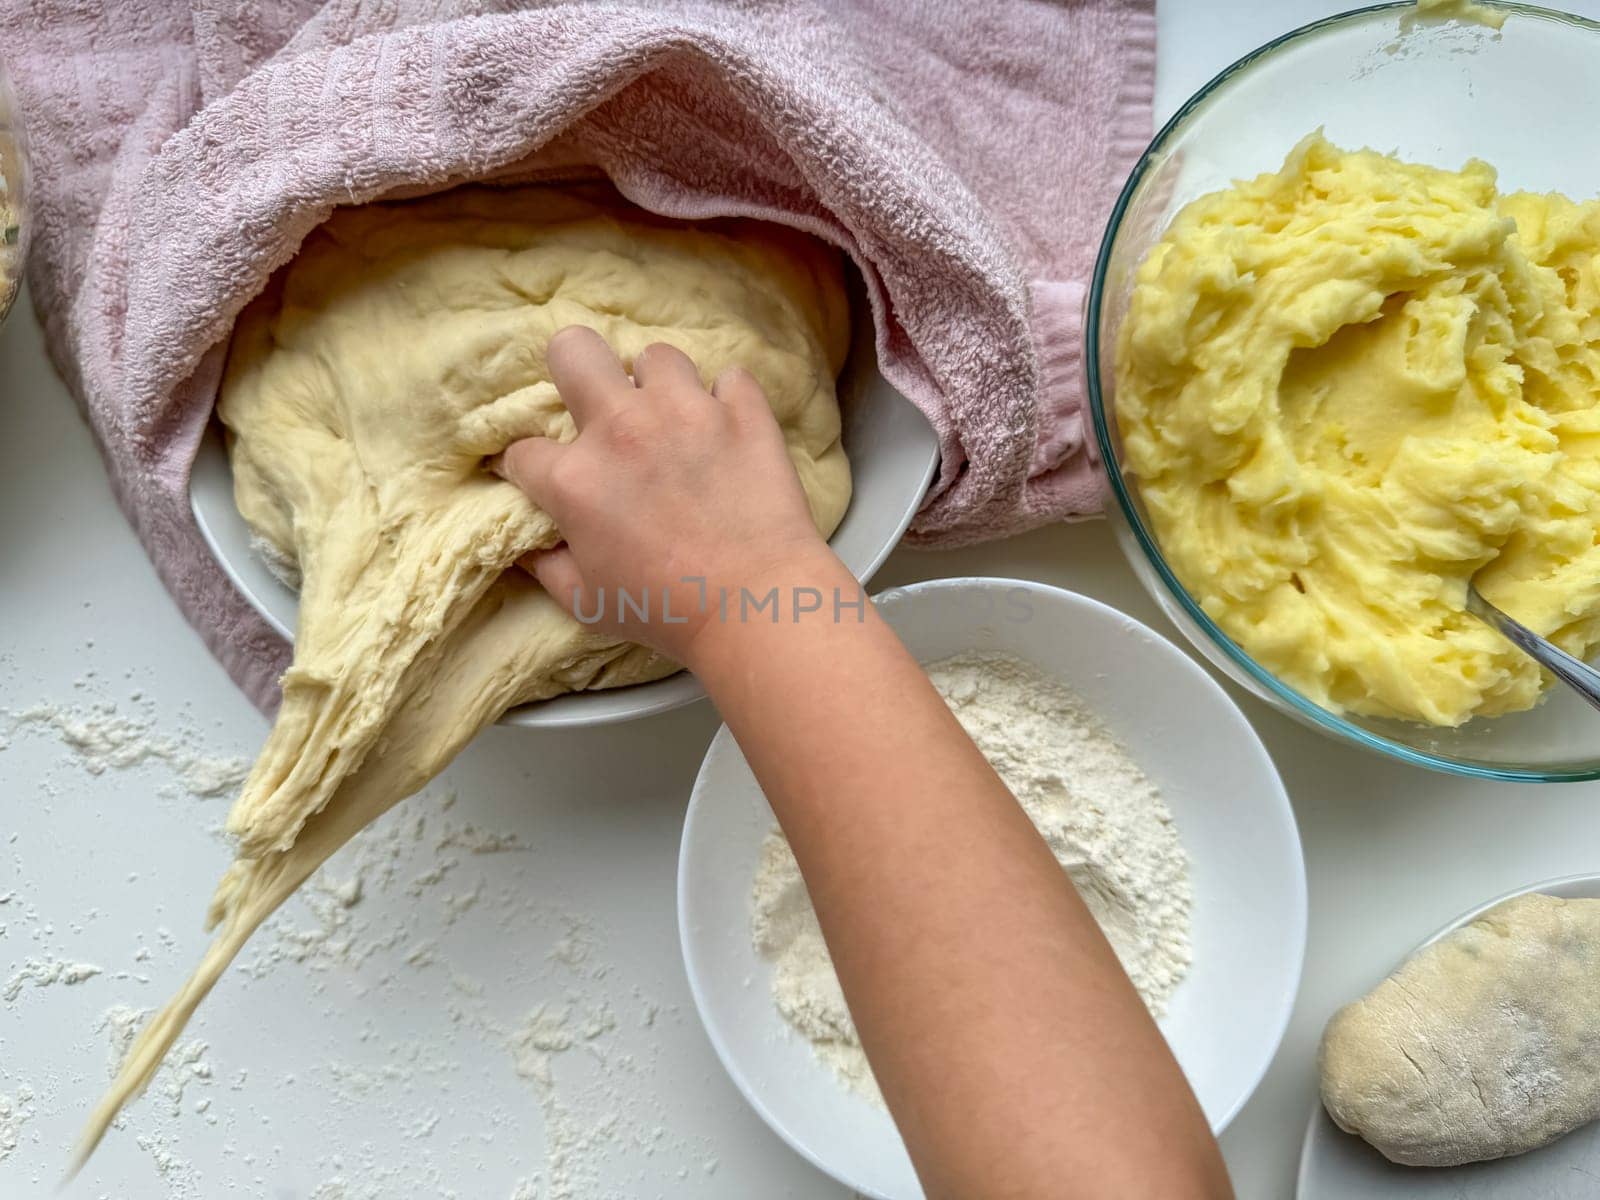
[(103, 738), (99, 738), (378, 920), (186, 1064), (1104, 820), (15, 1111), (42, 972)]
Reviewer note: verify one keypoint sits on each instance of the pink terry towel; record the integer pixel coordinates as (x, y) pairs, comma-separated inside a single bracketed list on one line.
[(963, 154)]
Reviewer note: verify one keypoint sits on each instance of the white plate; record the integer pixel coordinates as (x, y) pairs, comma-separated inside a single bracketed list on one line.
[(1226, 1019), (1335, 1165), (893, 454)]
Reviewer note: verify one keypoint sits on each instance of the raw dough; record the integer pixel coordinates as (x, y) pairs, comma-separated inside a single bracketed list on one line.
[(1485, 1044), (1350, 386), (1460, 10), (364, 389)]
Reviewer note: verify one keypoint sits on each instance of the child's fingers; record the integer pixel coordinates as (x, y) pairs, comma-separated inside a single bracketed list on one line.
[(586, 372), (557, 572), (529, 464), (661, 365), (738, 389)]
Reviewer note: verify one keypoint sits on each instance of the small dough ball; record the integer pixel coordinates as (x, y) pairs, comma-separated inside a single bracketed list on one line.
[(1483, 1045)]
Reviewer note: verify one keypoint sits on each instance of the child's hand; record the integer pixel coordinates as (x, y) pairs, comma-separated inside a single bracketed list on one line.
[(665, 484), (948, 920)]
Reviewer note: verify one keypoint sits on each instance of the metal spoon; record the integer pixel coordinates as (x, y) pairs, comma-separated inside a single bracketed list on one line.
[(1576, 674)]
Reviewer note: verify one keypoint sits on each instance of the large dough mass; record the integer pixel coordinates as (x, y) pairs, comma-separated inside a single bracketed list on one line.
[(364, 389), (1485, 1044)]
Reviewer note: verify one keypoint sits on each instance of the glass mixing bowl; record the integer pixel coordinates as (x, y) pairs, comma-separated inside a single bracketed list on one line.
[(1523, 99)]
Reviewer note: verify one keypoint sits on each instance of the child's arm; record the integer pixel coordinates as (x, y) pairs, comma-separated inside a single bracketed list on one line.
[(1016, 1057)]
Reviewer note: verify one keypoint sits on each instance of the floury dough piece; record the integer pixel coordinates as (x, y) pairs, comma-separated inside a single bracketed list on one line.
[(1480, 1046), (364, 389)]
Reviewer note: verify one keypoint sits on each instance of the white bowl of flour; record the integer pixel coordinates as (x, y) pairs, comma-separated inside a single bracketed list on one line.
[(1151, 788)]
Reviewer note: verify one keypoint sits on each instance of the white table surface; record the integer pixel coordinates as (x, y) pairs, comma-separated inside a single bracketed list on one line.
[(340, 1079)]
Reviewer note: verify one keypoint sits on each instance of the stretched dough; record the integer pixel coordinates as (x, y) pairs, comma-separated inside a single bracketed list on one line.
[(364, 389), (1478, 1047)]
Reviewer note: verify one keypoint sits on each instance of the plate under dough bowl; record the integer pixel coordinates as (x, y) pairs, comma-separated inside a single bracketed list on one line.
[(893, 452), (1225, 1020), (1335, 1165)]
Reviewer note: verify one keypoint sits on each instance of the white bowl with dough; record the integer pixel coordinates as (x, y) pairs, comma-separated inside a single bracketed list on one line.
[(1335, 1164), (1225, 1020), (893, 452)]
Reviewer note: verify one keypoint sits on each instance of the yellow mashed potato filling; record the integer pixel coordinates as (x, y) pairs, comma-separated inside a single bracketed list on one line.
[(1462, 10), (1351, 386)]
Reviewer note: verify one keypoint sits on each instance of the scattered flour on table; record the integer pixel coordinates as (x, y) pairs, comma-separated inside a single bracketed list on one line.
[(16, 1110), (1103, 819), (416, 849), (97, 737), (184, 1068), (584, 1048), (42, 972), (103, 738)]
